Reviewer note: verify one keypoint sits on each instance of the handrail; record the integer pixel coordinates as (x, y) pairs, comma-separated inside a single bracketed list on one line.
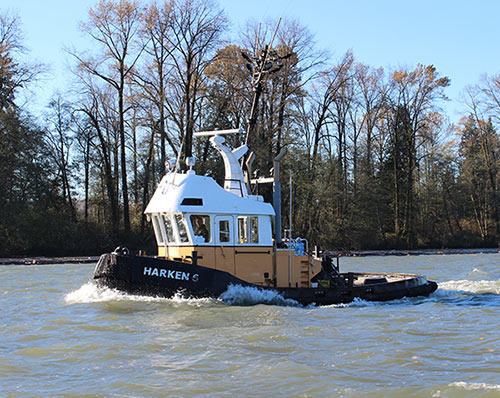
[(232, 180)]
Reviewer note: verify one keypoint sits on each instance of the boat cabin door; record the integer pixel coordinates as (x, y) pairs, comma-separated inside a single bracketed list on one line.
[(224, 240)]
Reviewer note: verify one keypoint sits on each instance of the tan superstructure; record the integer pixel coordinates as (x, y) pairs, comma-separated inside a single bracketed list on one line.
[(251, 264)]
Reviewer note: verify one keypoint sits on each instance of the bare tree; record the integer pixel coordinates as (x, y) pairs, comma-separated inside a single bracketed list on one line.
[(15, 73), (153, 76), (196, 31), (483, 102), (98, 133), (84, 139), (60, 142), (115, 25), (371, 98), (414, 98)]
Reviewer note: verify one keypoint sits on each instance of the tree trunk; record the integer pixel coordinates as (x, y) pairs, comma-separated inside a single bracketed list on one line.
[(123, 157), (108, 179)]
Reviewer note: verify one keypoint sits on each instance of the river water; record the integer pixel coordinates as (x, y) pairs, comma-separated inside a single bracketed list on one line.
[(60, 336)]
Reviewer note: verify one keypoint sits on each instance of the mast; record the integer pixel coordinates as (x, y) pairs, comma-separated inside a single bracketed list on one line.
[(263, 64)]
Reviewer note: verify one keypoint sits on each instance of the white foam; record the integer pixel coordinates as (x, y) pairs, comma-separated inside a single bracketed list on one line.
[(355, 303), (479, 272), (360, 303), (240, 295), (234, 295), (467, 286), (476, 386), (91, 293), (248, 295)]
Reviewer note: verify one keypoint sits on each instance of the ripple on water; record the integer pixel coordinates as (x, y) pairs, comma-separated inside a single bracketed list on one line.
[(468, 286), (100, 342)]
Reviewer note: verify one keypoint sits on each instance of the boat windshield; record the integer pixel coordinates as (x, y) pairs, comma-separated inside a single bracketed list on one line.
[(168, 229), (158, 231), (181, 228)]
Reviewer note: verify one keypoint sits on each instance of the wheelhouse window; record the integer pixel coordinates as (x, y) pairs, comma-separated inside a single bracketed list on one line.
[(254, 229), (201, 228), (169, 230), (248, 229), (181, 228), (224, 232), (158, 230), (243, 229)]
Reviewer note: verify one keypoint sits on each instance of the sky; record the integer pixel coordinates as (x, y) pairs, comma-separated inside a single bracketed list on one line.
[(460, 38)]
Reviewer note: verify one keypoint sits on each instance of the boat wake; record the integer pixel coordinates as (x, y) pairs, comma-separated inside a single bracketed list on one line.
[(470, 286), (459, 292), (235, 295), (475, 386), (468, 293), (91, 293), (245, 295)]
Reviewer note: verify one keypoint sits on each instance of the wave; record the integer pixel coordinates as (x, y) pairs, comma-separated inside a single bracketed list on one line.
[(477, 274), (234, 295), (472, 291), (476, 386), (361, 303), (458, 292), (248, 295), (468, 293), (461, 292), (470, 286), (91, 293)]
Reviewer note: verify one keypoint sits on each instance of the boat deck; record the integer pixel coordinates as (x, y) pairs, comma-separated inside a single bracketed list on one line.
[(374, 278)]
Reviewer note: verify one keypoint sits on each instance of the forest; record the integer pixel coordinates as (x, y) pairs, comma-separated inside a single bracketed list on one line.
[(374, 161)]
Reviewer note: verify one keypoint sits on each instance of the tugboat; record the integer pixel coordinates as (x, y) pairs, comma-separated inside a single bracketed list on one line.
[(211, 237)]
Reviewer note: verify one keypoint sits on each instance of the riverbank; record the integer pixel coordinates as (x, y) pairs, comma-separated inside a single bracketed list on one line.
[(49, 260), (363, 253)]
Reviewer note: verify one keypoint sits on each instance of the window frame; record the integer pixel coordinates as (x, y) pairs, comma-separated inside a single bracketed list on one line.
[(251, 232), (242, 222), (207, 224), (230, 223), (246, 233), (158, 230), (181, 221), (167, 217)]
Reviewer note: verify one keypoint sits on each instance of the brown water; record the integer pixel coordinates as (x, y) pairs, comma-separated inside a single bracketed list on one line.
[(61, 336)]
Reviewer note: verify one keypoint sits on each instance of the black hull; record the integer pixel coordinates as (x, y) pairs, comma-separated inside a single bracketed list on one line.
[(153, 276)]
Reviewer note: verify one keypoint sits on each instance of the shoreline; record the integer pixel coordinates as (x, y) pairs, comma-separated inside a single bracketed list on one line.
[(33, 260), (48, 260), (416, 252)]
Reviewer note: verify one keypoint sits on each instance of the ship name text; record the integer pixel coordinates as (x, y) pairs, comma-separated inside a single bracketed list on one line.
[(169, 274)]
